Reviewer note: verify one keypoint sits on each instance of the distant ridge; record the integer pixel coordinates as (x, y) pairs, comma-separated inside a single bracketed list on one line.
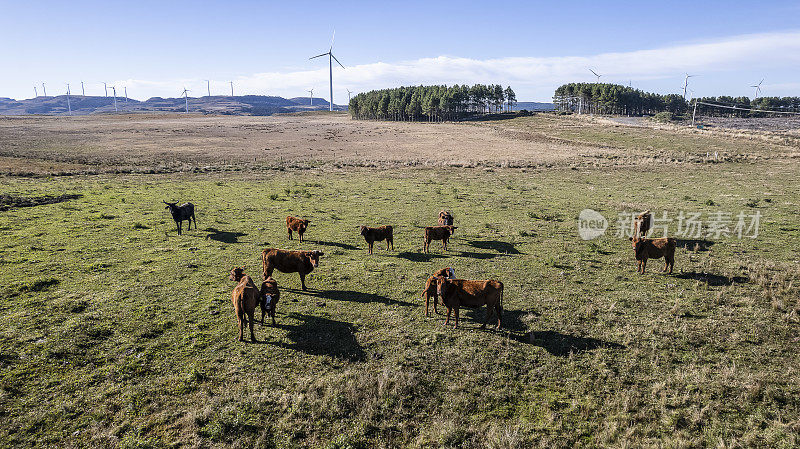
[(215, 104), (534, 106)]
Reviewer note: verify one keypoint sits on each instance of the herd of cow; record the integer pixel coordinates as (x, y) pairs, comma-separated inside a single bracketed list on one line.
[(454, 293)]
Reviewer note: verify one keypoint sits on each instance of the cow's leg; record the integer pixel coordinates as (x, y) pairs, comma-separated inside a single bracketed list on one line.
[(300, 233), (489, 310), (670, 262), (435, 300), (644, 265), (456, 314), (444, 244), (239, 319), (290, 233), (303, 281), (272, 314), (250, 316), (427, 301), (499, 311), (369, 250), (425, 245), (447, 320), (270, 269), (263, 303), (391, 240), (178, 224)]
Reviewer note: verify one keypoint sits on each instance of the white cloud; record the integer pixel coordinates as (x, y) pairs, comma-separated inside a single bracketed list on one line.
[(531, 77)]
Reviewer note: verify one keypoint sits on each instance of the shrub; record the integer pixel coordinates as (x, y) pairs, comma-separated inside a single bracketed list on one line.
[(664, 117)]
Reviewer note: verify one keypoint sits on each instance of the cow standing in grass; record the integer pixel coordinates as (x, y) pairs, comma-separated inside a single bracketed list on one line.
[(642, 224), (457, 293), (654, 249), (442, 233), (301, 262), (269, 297), (297, 225), (182, 213), (379, 234), (245, 297)]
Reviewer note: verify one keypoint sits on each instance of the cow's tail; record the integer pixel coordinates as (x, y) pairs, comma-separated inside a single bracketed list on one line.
[(500, 312)]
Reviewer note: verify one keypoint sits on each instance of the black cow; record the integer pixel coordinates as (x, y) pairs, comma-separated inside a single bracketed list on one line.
[(182, 213)]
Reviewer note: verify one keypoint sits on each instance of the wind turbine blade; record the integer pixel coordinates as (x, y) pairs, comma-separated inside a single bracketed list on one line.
[(762, 80), (595, 73), (334, 57), (319, 55), (332, 38)]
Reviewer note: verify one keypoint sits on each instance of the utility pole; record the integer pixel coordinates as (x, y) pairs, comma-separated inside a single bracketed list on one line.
[(694, 113)]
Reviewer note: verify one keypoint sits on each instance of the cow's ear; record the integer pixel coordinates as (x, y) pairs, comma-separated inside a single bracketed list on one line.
[(630, 238)]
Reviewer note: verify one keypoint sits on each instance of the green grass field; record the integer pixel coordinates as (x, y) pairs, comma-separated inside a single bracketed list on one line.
[(117, 332)]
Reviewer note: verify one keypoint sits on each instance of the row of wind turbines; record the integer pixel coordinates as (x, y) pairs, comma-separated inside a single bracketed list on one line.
[(686, 84), (185, 92)]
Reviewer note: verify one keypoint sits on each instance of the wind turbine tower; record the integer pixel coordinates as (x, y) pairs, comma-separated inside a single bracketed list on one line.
[(35, 92), (758, 88), (186, 97), (208, 87), (126, 93), (44, 90), (596, 74), (69, 106), (312, 96), (114, 89), (331, 58), (686, 84), (83, 92), (105, 86), (231, 88), (348, 95)]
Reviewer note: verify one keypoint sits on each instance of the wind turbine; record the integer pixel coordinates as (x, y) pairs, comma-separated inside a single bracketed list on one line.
[(35, 92), (330, 65), (686, 83), (348, 95), (208, 86), (596, 74), (83, 92), (186, 97), (105, 86), (126, 93), (312, 96), (231, 88), (758, 88), (69, 106), (44, 90), (114, 89)]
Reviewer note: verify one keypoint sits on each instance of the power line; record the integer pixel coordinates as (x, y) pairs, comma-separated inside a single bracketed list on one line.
[(747, 109)]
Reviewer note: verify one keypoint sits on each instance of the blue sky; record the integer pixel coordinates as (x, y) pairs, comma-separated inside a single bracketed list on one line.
[(156, 47)]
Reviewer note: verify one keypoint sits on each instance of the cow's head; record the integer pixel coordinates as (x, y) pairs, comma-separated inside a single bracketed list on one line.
[(637, 244), (170, 205), (451, 273), (237, 273), (443, 285), (363, 230), (313, 256)]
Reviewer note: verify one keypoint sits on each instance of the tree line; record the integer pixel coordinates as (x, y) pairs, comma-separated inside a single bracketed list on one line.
[(431, 103), (605, 98)]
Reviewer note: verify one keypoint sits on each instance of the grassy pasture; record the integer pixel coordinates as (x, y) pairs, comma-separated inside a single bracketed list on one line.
[(114, 331)]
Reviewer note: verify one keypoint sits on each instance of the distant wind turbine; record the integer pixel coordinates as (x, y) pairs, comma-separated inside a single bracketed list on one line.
[(686, 84), (126, 93), (231, 88), (44, 90), (330, 65), (69, 106), (83, 92), (186, 97), (105, 86), (312, 96), (348, 95), (114, 89), (208, 87), (596, 74), (35, 92), (758, 88)]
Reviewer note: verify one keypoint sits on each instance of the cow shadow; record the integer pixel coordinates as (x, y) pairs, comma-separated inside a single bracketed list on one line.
[(496, 245), (561, 345), (691, 244), (336, 244), (322, 336), (479, 256), (223, 236), (350, 296), (419, 257), (714, 280), (512, 319)]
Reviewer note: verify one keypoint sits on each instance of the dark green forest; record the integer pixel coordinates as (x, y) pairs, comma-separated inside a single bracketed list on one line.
[(432, 103), (605, 98)]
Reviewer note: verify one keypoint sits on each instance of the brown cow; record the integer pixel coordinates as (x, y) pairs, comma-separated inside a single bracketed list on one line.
[(302, 262), (654, 249), (297, 225), (269, 298), (442, 233), (245, 297), (457, 293), (445, 218), (379, 234), (642, 224), (430, 288)]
